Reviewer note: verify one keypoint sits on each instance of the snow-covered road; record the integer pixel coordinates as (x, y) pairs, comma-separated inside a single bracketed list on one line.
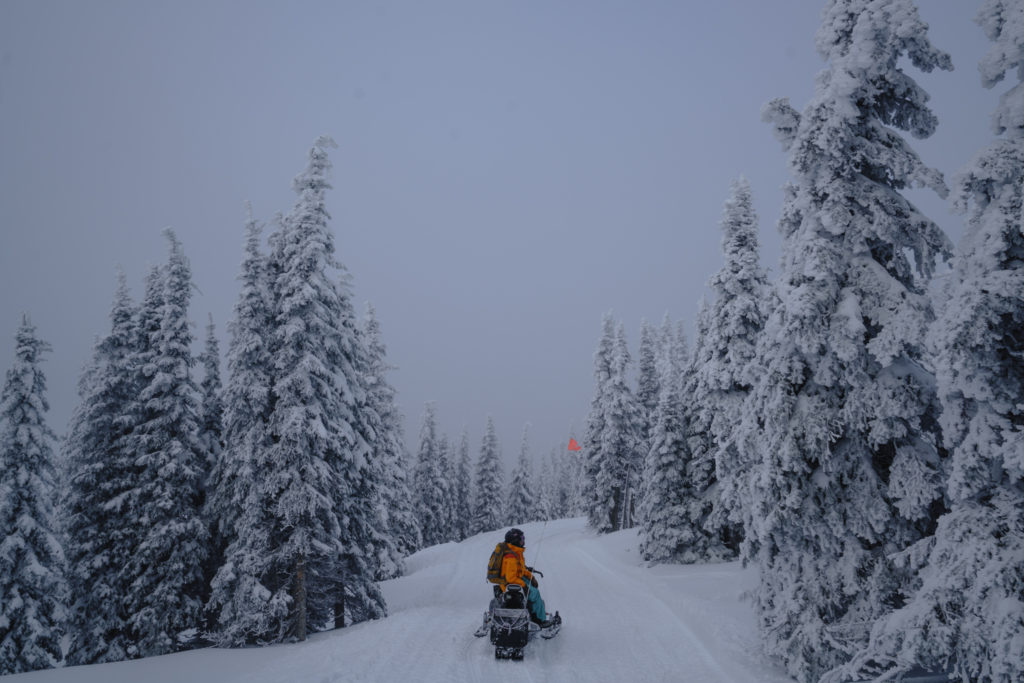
[(623, 623)]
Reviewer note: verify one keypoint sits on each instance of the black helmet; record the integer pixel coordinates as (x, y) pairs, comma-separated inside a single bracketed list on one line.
[(516, 537)]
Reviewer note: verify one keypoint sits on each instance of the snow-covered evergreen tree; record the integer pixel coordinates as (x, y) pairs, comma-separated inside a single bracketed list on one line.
[(613, 467), (99, 473), (395, 501), (595, 492), (211, 426), (667, 532), (315, 469), (165, 569), (306, 544), (597, 486), (708, 532), (848, 464), (429, 482), (462, 492), (445, 456), (626, 416), (489, 508), (723, 374), (545, 484), (647, 383), (236, 592), (966, 615), (32, 588), (574, 472), (365, 532), (522, 499), (211, 440)]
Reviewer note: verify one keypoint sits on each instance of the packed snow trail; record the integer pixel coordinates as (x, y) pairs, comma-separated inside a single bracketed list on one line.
[(623, 623)]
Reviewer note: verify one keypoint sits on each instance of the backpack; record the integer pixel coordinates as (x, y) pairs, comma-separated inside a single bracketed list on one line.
[(494, 564)]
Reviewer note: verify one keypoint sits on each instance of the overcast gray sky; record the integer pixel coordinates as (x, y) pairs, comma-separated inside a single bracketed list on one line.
[(506, 171)]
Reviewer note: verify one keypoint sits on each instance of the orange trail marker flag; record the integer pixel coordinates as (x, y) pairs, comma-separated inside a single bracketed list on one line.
[(573, 446)]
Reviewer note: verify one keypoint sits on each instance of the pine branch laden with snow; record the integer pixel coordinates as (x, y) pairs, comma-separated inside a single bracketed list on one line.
[(32, 584), (966, 615), (848, 467), (99, 475), (489, 504)]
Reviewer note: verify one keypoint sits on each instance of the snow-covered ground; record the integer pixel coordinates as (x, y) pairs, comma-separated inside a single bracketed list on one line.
[(623, 623)]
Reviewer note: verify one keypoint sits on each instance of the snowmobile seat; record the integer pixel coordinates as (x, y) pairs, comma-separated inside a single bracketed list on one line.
[(513, 597)]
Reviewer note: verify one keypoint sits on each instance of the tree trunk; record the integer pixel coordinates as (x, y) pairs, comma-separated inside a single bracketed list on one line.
[(616, 511), (627, 509), (299, 596), (339, 609)]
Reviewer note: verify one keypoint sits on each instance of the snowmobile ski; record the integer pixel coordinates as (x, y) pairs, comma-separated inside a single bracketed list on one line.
[(485, 627)]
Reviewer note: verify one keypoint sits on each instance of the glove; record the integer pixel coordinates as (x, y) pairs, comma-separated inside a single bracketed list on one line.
[(533, 581)]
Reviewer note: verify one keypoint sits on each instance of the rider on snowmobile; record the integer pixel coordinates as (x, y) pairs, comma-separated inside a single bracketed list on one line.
[(514, 570)]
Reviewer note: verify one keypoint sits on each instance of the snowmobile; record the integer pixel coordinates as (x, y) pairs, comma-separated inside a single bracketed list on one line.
[(509, 625)]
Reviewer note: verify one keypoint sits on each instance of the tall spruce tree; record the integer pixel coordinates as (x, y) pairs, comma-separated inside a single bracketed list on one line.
[(596, 491), (211, 440), (211, 410), (627, 422), (99, 475), (647, 382), (166, 567), (314, 471), (647, 390), (613, 465), (709, 535), (667, 531), (238, 601), (849, 469), (446, 455), (463, 491), (32, 588), (546, 481), (429, 482), (489, 508), (522, 499), (395, 502), (363, 471), (966, 614), (724, 372)]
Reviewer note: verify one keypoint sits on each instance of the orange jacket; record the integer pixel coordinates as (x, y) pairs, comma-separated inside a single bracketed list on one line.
[(513, 567)]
